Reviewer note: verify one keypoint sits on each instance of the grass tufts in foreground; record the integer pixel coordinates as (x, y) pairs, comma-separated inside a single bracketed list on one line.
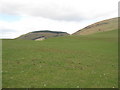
[(63, 62)]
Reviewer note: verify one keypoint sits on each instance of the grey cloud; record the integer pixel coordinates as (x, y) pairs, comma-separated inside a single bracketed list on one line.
[(57, 16), (70, 18), (66, 10), (50, 11)]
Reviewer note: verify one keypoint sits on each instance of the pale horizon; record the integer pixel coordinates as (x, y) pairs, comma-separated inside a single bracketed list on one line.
[(19, 17)]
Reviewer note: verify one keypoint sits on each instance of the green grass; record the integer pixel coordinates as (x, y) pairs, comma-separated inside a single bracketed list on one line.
[(63, 62)]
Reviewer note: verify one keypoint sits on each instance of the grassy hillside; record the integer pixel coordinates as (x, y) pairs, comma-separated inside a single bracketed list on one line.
[(101, 26), (67, 62), (38, 34)]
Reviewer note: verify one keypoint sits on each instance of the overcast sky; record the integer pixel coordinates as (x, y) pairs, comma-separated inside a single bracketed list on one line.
[(18, 17)]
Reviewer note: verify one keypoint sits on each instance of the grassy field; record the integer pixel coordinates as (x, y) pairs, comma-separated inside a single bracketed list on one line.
[(66, 62)]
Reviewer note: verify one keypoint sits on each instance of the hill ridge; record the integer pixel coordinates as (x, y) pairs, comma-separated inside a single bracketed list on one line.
[(41, 34), (101, 26)]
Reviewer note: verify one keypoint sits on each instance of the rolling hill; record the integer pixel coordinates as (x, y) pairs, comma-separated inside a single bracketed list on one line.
[(40, 35), (105, 25)]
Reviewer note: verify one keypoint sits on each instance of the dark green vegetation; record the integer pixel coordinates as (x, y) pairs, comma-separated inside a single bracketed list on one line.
[(41, 34), (48, 31), (71, 61)]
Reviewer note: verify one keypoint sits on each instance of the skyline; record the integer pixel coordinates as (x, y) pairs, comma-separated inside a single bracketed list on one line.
[(18, 17)]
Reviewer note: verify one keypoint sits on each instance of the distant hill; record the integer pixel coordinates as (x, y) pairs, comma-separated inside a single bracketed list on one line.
[(105, 25), (40, 35)]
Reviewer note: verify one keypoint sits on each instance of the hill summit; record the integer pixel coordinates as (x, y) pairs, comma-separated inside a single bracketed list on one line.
[(42, 34)]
